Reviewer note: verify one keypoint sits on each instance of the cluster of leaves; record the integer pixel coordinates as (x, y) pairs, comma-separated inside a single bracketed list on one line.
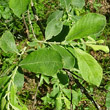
[(59, 58)]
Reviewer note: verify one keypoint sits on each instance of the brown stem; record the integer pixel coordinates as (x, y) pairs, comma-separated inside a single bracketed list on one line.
[(30, 22), (27, 29), (35, 100), (83, 90), (37, 19), (71, 83)]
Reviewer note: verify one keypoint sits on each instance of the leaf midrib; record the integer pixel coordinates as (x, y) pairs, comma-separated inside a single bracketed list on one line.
[(40, 62)]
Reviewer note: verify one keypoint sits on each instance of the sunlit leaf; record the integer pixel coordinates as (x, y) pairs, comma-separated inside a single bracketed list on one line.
[(67, 103), (3, 104), (59, 102), (90, 70), (89, 24), (13, 95), (99, 47)]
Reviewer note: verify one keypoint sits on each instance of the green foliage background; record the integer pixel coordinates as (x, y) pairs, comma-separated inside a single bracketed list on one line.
[(52, 54)]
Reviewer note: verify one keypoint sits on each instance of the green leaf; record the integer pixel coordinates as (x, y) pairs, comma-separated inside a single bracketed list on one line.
[(68, 58), (107, 86), (108, 100), (14, 101), (41, 80), (75, 96), (65, 4), (19, 79), (59, 102), (55, 15), (3, 104), (46, 99), (19, 6), (3, 80), (100, 41), (90, 70), (67, 103), (55, 90), (7, 43), (53, 28), (63, 78), (45, 61), (99, 47), (6, 14), (88, 25), (44, 78), (16, 107), (78, 3), (61, 36), (13, 96)]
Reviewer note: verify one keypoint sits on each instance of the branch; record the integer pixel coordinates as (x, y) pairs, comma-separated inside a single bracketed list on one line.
[(30, 22), (71, 83), (27, 29), (37, 19), (83, 90), (38, 85), (72, 73)]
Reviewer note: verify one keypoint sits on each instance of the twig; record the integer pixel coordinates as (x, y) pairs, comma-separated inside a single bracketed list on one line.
[(31, 24), (37, 19), (71, 83), (35, 100), (59, 43), (72, 73), (27, 30), (83, 90)]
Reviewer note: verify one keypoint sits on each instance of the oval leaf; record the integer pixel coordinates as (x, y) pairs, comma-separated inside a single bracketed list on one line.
[(55, 90), (53, 28), (7, 43), (19, 79), (44, 61), (3, 103), (90, 70), (65, 3), (55, 15), (67, 57), (19, 6), (63, 78), (13, 97), (3, 81), (59, 102), (89, 24), (78, 3)]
